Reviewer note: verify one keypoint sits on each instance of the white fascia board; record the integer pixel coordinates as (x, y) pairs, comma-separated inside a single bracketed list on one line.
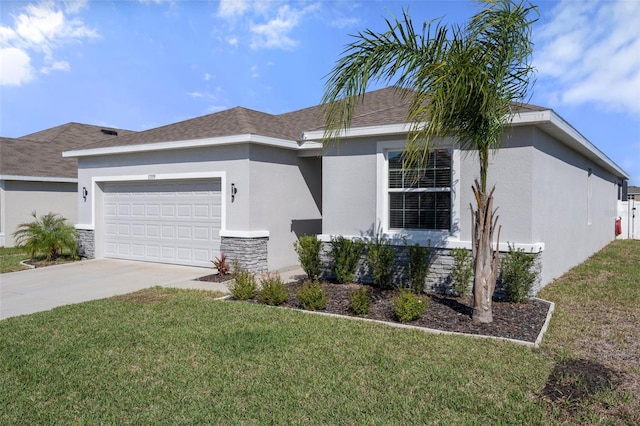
[(571, 137), (356, 132), (39, 178), (194, 143)]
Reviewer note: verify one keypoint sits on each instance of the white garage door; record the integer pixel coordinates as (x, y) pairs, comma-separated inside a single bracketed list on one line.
[(166, 221)]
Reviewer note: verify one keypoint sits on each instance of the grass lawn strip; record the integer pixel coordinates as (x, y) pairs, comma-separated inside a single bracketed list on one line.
[(171, 356), (10, 259), (178, 357)]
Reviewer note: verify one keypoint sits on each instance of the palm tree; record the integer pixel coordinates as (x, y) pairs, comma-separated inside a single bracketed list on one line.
[(48, 234), (462, 82)]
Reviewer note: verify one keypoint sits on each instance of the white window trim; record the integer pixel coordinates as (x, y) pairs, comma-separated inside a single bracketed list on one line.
[(382, 199)]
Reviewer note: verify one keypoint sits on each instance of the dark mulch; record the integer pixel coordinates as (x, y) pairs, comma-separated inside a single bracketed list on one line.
[(215, 278), (510, 320)]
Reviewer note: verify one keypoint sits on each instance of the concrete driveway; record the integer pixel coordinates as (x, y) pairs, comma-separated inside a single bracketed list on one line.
[(41, 289)]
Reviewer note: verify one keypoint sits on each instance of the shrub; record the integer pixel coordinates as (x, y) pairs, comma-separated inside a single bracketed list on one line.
[(244, 284), (462, 270), (49, 235), (408, 307), (359, 301), (346, 255), (519, 274), (273, 291), (380, 260), (311, 296), (308, 249), (418, 267), (221, 264)]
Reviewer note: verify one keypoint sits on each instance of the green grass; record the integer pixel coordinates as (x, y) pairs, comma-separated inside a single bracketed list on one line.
[(167, 356), (10, 259)]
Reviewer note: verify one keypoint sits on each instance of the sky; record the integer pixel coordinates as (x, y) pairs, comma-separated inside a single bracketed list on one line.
[(141, 64)]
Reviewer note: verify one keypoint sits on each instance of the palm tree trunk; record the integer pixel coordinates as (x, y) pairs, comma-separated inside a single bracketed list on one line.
[(485, 258)]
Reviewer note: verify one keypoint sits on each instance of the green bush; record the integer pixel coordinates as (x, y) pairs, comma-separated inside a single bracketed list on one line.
[(308, 249), (519, 274), (359, 301), (346, 255), (462, 270), (418, 267), (244, 285), (408, 307), (380, 256), (49, 235), (311, 296), (273, 291)]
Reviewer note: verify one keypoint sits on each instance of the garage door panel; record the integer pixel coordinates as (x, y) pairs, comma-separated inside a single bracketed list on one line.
[(170, 222)]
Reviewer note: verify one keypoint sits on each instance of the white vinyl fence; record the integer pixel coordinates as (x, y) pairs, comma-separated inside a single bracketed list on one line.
[(629, 212)]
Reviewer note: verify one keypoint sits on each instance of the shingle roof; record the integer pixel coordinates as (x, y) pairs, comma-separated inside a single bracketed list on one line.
[(40, 154), (379, 107)]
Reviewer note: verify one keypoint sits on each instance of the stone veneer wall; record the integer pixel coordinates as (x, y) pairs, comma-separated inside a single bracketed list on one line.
[(86, 243), (438, 280), (250, 252)]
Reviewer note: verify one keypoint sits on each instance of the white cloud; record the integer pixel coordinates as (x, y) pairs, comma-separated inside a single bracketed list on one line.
[(39, 31), (16, 67), (207, 77), (342, 23), (275, 34), (56, 66), (268, 23), (195, 94), (592, 50), (232, 8)]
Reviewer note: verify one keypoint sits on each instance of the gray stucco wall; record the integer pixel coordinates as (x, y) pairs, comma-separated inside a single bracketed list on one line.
[(285, 199), (21, 198), (349, 188), (277, 191), (541, 196), (560, 206)]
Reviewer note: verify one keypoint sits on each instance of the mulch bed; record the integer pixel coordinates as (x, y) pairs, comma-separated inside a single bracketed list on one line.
[(41, 263), (520, 321)]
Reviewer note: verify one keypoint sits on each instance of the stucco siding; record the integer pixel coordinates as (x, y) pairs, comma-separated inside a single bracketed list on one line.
[(571, 226), (285, 200), (21, 198), (349, 188), (510, 171)]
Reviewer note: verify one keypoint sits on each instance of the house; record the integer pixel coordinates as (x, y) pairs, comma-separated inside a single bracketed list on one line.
[(35, 177), (633, 192), (249, 183)]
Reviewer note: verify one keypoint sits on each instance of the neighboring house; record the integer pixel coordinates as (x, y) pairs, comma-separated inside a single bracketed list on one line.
[(35, 177), (249, 183), (633, 192)]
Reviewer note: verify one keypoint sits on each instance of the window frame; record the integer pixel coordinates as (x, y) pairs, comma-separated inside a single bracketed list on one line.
[(383, 190)]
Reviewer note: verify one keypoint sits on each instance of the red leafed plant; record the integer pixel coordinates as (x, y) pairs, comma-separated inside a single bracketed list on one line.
[(221, 264)]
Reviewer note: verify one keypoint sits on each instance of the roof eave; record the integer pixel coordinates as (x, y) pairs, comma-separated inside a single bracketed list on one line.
[(547, 120), (193, 143)]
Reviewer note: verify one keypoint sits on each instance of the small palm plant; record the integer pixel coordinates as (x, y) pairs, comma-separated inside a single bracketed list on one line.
[(49, 235)]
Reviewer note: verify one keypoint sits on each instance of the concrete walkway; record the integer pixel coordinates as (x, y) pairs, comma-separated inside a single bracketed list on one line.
[(41, 289)]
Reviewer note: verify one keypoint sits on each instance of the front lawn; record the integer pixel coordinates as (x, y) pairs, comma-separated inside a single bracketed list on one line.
[(172, 356), (10, 259)]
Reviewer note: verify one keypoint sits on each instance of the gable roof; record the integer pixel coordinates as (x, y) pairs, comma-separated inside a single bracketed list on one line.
[(38, 156)]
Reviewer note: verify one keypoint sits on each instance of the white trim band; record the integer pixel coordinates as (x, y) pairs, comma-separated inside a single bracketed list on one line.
[(244, 234)]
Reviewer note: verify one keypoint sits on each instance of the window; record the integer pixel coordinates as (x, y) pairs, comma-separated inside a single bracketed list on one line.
[(420, 198)]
